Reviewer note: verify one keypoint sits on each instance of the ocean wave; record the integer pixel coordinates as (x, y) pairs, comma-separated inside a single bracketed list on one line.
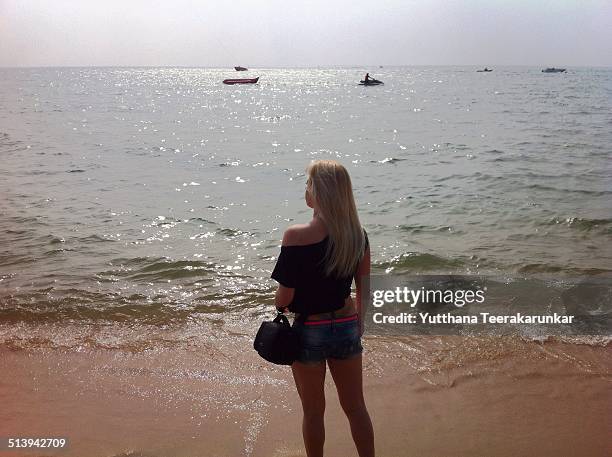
[(53, 305), (161, 269), (418, 228), (426, 352), (414, 261), (435, 358), (16, 260), (7, 144), (582, 224), (157, 291), (595, 193), (231, 233), (552, 268)]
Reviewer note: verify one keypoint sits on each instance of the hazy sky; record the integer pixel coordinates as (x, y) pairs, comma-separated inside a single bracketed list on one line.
[(268, 33)]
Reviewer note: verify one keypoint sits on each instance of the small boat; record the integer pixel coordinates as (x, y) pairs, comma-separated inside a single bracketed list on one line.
[(240, 69), (370, 82), (486, 70), (241, 81), (553, 70)]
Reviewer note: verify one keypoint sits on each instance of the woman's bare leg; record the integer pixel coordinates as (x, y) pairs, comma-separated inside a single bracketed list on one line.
[(347, 376), (310, 383)]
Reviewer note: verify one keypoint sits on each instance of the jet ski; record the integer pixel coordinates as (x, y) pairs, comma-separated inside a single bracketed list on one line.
[(370, 82)]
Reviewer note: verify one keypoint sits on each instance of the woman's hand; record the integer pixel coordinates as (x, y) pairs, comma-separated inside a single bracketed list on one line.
[(283, 298)]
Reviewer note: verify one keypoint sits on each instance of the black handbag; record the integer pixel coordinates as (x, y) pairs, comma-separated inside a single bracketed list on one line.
[(277, 342)]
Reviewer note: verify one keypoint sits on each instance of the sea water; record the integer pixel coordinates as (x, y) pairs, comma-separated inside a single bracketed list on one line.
[(154, 199)]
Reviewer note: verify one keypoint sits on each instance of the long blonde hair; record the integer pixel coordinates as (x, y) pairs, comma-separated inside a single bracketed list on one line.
[(330, 186)]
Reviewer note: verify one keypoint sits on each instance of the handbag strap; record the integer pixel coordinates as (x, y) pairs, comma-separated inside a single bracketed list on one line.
[(280, 317), (301, 318)]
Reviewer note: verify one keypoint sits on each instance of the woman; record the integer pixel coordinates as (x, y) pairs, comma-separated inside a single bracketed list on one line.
[(315, 269)]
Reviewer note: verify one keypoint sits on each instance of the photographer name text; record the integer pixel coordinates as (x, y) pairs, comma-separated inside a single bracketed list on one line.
[(480, 318)]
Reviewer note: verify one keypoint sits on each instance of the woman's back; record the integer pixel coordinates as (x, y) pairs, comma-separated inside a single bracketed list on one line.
[(301, 265)]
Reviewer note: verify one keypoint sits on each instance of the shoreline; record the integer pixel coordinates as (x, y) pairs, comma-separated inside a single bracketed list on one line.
[(472, 397)]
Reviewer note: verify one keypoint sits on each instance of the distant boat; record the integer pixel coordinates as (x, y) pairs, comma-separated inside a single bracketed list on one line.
[(554, 70), (241, 81), (486, 70), (240, 69), (370, 82)]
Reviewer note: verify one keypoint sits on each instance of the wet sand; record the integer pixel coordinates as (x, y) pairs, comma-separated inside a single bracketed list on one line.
[(427, 397)]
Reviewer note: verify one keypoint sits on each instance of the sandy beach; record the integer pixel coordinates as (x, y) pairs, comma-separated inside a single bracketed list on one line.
[(142, 214), (158, 159), (428, 396)]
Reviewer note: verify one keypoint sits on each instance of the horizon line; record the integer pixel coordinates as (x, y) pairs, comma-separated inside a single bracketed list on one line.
[(296, 66)]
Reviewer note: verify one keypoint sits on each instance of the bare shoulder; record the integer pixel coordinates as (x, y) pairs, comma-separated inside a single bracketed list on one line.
[(300, 234), (294, 234)]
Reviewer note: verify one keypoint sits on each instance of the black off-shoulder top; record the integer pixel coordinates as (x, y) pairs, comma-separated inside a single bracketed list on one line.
[(301, 267)]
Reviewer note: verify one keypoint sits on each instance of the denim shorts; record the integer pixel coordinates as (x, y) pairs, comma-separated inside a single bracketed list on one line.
[(333, 338)]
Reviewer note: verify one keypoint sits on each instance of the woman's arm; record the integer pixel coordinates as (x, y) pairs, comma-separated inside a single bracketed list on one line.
[(362, 285), (284, 296)]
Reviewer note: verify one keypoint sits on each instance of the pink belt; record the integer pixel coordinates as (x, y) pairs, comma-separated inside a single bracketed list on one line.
[(354, 317)]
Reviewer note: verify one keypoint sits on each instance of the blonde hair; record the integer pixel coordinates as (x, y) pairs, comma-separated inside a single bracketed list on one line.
[(330, 186)]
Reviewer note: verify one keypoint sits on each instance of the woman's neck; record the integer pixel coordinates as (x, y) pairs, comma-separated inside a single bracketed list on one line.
[(318, 223)]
